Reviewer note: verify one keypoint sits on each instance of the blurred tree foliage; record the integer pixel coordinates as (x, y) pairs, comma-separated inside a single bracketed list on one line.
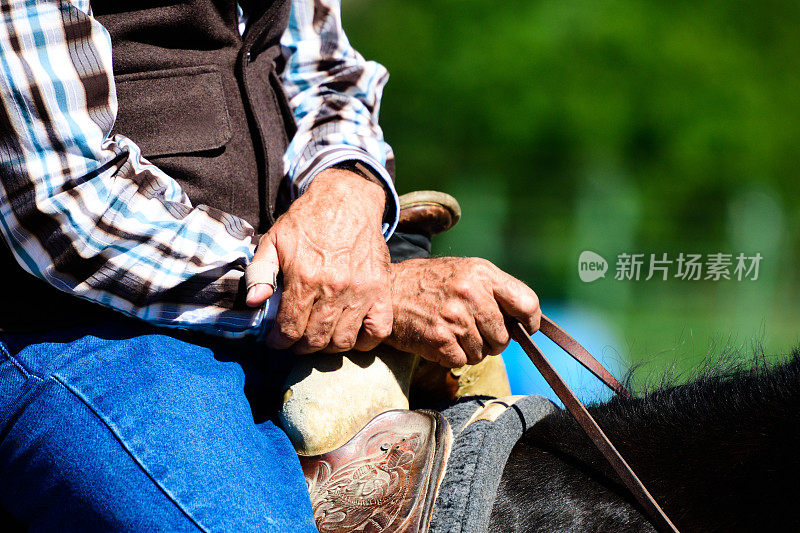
[(619, 126)]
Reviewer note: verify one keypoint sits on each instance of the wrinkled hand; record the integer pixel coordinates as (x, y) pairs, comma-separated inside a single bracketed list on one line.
[(335, 263), (451, 309)]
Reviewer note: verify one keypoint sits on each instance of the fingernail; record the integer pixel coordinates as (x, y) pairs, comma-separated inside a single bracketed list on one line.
[(255, 293), (251, 293)]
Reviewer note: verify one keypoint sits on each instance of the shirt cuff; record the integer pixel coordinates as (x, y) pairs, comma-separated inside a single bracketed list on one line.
[(333, 156)]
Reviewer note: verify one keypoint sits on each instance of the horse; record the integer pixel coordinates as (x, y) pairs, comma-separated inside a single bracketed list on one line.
[(719, 453)]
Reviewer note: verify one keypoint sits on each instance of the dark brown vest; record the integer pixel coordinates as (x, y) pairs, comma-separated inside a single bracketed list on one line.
[(204, 103)]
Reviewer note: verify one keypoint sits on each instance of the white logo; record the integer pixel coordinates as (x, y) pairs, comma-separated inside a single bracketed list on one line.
[(591, 266)]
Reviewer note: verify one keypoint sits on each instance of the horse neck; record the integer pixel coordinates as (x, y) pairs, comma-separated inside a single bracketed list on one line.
[(718, 454)]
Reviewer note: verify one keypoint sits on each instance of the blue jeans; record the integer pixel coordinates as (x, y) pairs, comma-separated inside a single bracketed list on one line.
[(129, 430)]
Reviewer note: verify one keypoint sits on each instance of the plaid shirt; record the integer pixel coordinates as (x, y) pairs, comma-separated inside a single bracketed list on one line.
[(89, 215)]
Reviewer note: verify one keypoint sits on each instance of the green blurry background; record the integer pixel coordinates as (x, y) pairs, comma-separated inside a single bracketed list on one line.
[(616, 126)]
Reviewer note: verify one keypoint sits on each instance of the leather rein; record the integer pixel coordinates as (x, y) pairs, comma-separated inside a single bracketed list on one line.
[(576, 408)]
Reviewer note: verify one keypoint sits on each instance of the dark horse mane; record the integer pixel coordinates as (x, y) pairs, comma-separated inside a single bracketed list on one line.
[(720, 453)]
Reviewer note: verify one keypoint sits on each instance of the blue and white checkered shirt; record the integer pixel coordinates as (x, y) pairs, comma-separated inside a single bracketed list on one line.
[(89, 215)]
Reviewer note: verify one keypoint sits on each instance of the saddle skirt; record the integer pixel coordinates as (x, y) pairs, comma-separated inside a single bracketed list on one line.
[(418, 471), (384, 479)]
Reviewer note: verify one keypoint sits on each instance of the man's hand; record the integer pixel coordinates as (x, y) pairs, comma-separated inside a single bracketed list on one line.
[(451, 310), (335, 263)]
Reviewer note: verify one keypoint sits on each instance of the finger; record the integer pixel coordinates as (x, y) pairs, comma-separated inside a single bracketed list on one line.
[(262, 272), (324, 316), (471, 342), (493, 330), (292, 317), (445, 353), (258, 294), (458, 320), (345, 333), (451, 355), (376, 326), (517, 300)]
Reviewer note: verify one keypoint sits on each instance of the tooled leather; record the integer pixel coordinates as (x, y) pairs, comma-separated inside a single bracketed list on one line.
[(365, 494), (379, 481)]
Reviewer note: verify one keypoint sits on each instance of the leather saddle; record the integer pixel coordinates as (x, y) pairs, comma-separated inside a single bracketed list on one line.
[(385, 478)]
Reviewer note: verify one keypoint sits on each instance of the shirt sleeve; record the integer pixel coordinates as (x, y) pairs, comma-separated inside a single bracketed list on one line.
[(87, 213), (335, 95)]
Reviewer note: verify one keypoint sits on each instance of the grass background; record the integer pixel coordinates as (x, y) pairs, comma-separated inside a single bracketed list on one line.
[(662, 126)]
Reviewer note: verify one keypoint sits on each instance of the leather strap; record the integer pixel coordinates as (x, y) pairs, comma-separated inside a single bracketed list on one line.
[(580, 354), (578, 410)]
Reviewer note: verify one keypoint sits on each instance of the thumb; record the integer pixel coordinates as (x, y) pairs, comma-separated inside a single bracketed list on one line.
[(261, 274)]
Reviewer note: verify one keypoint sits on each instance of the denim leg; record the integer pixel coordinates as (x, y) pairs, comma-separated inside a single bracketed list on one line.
[(142, 434)]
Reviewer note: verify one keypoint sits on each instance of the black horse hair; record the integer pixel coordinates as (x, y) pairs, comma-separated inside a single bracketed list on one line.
[(720, 453)]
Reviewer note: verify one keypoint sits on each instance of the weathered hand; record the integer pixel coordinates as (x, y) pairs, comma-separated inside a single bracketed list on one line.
[(451, 310), (335, 264)]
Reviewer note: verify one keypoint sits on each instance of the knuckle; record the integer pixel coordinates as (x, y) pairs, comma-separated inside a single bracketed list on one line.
[(452, 311), (494, 350), (534, 300), (462, 287), (452, 356), (289, 331), (382, 330), (530, 302), (377, 328), (502, 338), (377, 332), (481, 266), (473, 358), (441, 335), (323, 328), (344, 342), (497, 339), (315, 342), (306, 278), (337, 283)]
